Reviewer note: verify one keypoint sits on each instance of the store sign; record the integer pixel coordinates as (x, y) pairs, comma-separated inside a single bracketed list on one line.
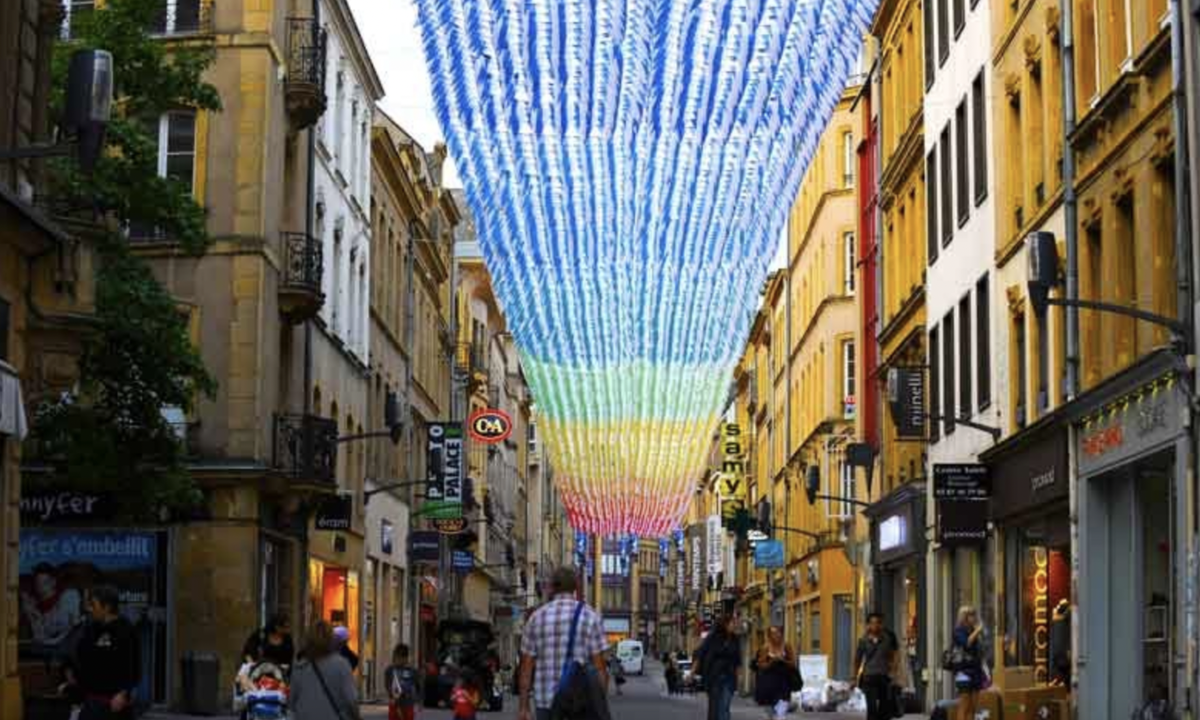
[(1039, 586), (893, 533), (334, 513), (449, 526), (462, 561), (1132, 425), (906, 401), (768, 555), (64, 506), (715, 535), (489, 426), (1030, 477), (424, 546), (731, 481), (444, 482), (961, 481), (697, 561)]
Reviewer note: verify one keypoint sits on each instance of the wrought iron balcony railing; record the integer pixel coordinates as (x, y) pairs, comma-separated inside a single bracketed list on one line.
[(300, 296), (305, 86), (306, 448)]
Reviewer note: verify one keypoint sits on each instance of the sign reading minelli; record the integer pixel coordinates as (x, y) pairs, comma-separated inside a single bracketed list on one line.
[(906, 401), (1149, 417), (732, 479)]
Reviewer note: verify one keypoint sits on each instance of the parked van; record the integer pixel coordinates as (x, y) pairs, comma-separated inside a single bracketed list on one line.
[(630, 654)]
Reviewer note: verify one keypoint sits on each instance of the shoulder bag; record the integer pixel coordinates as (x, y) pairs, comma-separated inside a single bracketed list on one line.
[(337, 709)]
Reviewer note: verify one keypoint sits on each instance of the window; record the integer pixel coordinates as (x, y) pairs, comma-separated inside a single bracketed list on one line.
[(979, 139), (943, 30), (950, 408), (4, 312), (931, 209), (849, 157), (850, 268), (175, 133), (849, 378), (177, 16), (962, 171), (846, 489), (983, 343), (74, 10), (1043, 364), (964, 356), (935, 397), (814, 633), (947, 199), (1019, 349), (930, 65), (960, 17)]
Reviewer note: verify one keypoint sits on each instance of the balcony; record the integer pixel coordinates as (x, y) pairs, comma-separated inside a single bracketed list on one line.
[(305, 449), (305, 86), (300, 296)]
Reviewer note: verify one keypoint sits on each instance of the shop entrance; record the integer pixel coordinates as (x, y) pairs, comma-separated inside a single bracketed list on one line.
[(1129, 586), (335, 598)]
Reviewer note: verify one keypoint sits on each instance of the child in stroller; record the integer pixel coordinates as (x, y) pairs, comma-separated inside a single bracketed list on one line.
[(260, 692)]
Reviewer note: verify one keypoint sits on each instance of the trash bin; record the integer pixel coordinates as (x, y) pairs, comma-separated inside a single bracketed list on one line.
[(201, 683)]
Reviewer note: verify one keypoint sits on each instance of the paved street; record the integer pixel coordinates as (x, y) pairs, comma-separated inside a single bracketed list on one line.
[(642, 698)]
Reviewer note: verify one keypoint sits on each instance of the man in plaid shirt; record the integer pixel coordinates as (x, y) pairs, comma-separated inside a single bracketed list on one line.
[(544, 645)]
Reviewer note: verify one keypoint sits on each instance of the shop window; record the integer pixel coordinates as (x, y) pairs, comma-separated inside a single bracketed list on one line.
[(1037, 625), (1154, 492), (983, 343), (979, 137), (931, 199)]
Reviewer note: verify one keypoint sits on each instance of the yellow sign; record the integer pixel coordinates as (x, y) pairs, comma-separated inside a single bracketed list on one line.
[(731, 481)]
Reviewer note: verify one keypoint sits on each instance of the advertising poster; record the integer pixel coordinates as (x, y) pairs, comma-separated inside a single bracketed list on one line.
[(57, 570), (444, 483)]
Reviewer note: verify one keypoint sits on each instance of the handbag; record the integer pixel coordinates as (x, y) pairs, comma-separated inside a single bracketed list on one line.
[(337, 709), (955, 658)]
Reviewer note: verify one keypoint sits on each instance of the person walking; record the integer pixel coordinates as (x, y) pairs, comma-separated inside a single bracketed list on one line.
[(341, 635), (777, 677), (401, 680), (548, 646), (107, 668), (718, 662), (671, 674), (322, 683), (968, 673), (875, 660), (271, 643)]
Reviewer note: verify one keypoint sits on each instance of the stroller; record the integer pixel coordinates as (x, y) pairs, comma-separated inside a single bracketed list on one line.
[(260, 692)]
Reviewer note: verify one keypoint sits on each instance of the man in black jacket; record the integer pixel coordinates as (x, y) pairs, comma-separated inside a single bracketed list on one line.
[(107, 667)]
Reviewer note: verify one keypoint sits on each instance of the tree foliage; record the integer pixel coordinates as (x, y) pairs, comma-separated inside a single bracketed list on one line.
[(111, 434)]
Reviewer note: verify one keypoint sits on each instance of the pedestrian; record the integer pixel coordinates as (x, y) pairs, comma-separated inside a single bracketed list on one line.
[(341, 633), (401, 680), (323, 685), (465, 697), (671, 675), (777, 677), (271, 643), (548, 647), (875, 658), (968, 673), (106, 669), (718, 663), (617, 672)]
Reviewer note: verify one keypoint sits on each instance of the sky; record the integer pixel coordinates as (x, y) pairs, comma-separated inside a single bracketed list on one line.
[(389, 27)]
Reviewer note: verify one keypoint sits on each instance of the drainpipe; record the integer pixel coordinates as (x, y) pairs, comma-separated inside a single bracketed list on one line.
[(1185, 613), (1071, 214)]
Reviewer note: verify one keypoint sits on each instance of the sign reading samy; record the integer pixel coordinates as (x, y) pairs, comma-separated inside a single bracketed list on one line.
[(731, 481)]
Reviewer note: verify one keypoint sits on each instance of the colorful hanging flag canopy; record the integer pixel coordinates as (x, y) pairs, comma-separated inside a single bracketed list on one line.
[(629, 165)]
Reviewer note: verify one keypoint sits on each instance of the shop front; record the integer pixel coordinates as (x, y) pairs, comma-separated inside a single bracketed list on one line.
[(1132, 452), (386, 612), (1029, 600), (898, 583), (336, 555)]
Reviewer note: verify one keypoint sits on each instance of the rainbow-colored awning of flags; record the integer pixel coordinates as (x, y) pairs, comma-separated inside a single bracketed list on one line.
[(629, 165)]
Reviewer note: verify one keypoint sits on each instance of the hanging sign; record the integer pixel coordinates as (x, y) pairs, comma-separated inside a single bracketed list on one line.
[(334, 513), (906, 401), (423, 546), (449, 526), (731, 482), (715, 534), (462, 561), (768, 555), (961, 481), (444, 482), (489, 426)]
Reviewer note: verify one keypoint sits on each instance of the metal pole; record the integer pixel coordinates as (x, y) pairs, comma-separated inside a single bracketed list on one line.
[(410, 470), (450, 596), (1070, 203)]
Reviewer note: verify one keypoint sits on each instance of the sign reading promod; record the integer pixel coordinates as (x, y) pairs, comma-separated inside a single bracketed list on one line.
[(444, 483), (731, 482)]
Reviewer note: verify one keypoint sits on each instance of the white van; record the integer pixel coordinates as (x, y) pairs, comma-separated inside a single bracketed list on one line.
[(631, 656)]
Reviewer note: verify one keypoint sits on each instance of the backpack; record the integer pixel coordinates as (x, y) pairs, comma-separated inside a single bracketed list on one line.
[(579, 695)]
